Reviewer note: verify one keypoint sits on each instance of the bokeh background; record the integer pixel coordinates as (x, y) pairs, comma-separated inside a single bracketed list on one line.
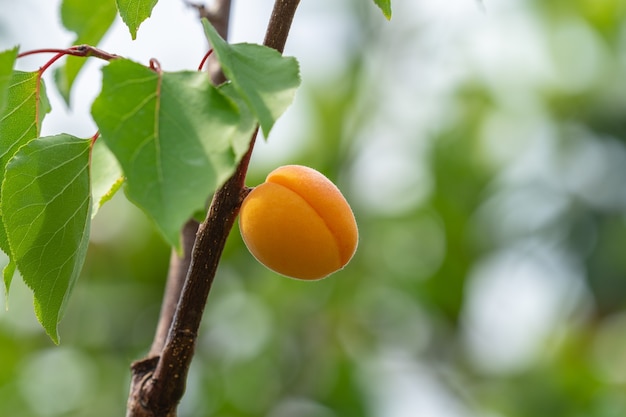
[(482, 146)]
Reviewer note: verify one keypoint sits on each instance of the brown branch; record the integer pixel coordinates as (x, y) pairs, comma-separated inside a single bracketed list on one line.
[(218, 15), (158, 382), (173, 287), (143, 370), (280, 23), (168, 382)]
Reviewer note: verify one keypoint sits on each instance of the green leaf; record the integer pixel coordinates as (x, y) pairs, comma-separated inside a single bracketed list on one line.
[(7, 60), (175, 136), (134, 12), (262, 76), (7, 275), (242, 134), (106, 175), (90, 20), (26, 106), (46, 203), (20, 122), (385, 6)]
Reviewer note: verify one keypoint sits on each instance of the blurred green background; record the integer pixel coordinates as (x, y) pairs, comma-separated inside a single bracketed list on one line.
[(482, 146)]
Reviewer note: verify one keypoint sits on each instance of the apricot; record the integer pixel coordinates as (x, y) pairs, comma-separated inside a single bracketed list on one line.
[(298, 224)]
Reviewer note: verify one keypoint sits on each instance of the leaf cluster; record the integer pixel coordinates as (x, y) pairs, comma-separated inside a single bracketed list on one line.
[(171, 138)]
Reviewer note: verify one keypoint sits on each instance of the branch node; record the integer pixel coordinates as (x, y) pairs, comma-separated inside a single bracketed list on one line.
[(244, 193)]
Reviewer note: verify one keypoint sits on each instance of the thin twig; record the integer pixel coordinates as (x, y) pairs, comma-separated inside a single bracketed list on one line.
[(83, 51)]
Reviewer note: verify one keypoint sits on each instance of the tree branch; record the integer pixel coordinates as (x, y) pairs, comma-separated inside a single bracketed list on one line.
[(219, 16), (173, 287), (280, 24), (158, 382)]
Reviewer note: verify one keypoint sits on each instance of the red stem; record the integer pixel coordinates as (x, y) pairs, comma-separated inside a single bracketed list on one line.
[(94, 138), (83, 51), (204, 59), (44, 51), (50, 62), (155, 65), (38, 86)]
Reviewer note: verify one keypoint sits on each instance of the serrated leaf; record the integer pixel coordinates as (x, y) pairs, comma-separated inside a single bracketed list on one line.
[(262, 76), (7, 60), (134, 12), (385, 6), (90, 20), (46, 203), (20, 122), (106, 175), (172, 134)]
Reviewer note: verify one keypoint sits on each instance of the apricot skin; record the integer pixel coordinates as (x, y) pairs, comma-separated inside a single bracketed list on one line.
[(298, 223)]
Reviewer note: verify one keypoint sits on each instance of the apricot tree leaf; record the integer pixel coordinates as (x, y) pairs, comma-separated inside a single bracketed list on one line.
[(46, 206), (385, 6), (7, 60), (90, 20), (265, 79), (25, 106), (173, 135), (106, 175), (134, 12)]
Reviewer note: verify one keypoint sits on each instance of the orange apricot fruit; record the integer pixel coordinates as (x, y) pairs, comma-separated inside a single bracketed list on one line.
[(298, 223)]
